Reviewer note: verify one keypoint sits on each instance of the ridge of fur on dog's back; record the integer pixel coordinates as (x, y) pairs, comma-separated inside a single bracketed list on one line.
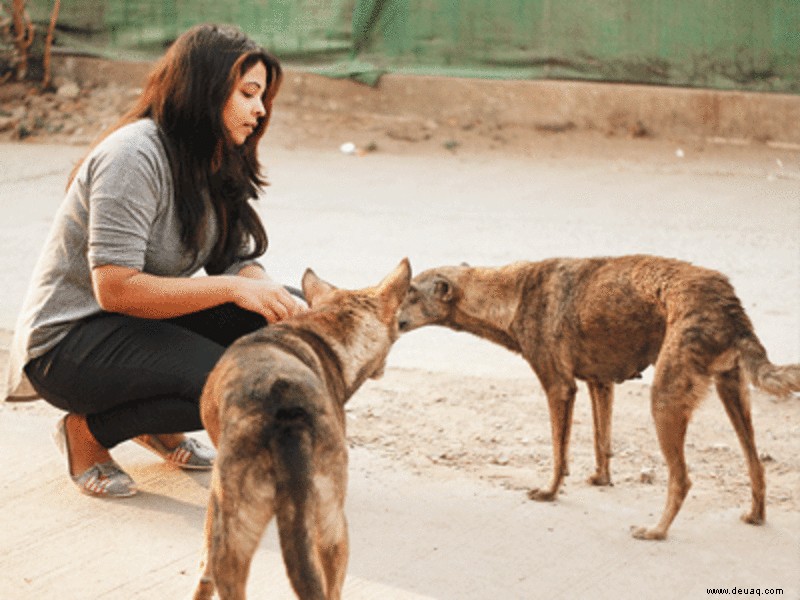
[(663, 283), (314, 351), (262, 349)]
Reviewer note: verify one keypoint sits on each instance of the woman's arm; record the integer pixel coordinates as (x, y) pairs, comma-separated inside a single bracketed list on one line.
[(132, 292), (254, 271)]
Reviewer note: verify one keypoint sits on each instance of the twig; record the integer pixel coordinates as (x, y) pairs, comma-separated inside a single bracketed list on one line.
[(23, 28), (48, 43)]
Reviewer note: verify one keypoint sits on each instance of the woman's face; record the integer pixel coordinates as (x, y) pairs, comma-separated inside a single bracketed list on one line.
[(244, 106)]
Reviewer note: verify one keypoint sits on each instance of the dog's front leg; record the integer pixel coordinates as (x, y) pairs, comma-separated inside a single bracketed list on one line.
[(602, 395), (561, 400)]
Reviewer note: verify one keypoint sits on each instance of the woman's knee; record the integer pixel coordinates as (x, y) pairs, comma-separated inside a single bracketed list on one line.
[(103, 365)]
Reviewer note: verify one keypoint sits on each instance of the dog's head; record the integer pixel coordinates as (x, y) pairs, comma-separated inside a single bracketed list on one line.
[(431, 298), (364, 321), (386, 296)]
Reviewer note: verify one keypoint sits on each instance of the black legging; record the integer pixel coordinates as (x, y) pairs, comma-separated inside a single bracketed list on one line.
[(133, 376)]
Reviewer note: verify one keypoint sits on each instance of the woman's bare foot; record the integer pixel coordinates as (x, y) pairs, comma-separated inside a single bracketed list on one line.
[(170, 441), (182, 451), (84, 450)]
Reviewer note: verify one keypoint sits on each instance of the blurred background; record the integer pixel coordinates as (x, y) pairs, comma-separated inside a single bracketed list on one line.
[(735, 44)]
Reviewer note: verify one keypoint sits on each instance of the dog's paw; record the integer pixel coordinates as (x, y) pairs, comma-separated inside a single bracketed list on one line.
[(541, 495), (645, 533), (204, 590), (599, 480), (753, 518)]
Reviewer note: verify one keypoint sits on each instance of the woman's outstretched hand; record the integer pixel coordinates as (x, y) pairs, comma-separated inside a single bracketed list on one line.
[(267, 298)]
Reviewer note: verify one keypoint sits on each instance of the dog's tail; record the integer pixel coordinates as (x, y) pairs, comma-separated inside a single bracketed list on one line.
[(290, 437), (779, 380)]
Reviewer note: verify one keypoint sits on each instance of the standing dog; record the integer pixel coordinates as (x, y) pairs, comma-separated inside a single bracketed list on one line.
[(274, 408), (604, 320)]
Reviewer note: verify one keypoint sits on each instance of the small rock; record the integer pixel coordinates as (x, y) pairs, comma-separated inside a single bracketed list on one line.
[(8, 123), (69, 89), (21, 131), (451, 145), (502, 460), (348, 148)]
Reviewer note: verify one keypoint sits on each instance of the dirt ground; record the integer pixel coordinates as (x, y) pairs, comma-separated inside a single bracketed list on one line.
[(439, 423)]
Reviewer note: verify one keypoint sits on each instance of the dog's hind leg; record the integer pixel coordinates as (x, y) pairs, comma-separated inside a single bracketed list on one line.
[(675, 393), (732, 389), (205, 584), (334, 552), (561, 401), (236, 532), (301, 552), (602, 395)]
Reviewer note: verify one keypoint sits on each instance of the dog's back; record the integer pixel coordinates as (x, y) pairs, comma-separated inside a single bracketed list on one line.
[(282, 453), (609, 315)]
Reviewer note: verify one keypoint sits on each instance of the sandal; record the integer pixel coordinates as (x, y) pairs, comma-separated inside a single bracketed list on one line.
[(189, 454), (106, 479)]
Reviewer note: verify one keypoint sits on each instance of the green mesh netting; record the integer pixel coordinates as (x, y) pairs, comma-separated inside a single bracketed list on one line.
[(731, 44)]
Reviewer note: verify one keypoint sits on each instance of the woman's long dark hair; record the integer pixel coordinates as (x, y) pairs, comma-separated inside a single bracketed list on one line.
[(185, 95)]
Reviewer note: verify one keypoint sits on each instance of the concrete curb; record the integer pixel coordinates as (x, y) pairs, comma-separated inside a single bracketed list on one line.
[(674, 113)]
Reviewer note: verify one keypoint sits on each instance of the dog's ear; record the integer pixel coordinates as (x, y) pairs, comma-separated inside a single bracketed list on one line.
[(394, 286), (313, 286), (442, 288)]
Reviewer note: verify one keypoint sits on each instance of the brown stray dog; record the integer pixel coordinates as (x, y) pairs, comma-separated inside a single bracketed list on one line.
[(274, 408), (604, 320)]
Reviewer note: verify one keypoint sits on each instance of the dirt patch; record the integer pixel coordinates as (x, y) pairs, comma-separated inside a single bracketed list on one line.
[(76, 114), (309, 115), (71, 115), (498, 430)]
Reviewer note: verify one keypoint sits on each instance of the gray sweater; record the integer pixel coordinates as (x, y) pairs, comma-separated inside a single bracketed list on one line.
[(119, 210)]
